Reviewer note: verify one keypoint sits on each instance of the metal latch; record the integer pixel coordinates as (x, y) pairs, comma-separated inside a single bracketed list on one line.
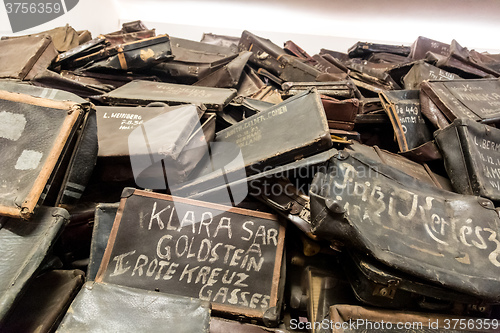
[(387, 291)]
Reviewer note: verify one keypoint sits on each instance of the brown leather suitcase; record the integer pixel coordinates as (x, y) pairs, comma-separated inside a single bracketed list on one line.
[(64, 38), (23, 58), (295, 50), (336, 89), (341, 114)]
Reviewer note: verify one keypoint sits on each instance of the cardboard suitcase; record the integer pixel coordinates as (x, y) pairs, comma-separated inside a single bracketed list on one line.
[(37, 140)]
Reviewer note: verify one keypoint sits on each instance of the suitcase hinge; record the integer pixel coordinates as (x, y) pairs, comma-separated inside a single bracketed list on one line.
[(305, 213)]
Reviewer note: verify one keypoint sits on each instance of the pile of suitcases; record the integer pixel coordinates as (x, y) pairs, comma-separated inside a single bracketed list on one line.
[(153, 183)]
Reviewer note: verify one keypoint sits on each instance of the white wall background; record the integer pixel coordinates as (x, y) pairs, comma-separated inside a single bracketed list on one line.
[(313, 24)]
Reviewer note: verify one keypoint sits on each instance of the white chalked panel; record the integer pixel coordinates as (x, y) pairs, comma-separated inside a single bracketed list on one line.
[(11, 125), (28, 160)]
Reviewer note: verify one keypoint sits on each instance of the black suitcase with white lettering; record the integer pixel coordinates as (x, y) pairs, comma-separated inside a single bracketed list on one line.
[(447, 239), (471, 153), (198, 249)]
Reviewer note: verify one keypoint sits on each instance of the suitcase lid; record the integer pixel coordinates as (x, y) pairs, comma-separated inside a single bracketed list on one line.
[(49, 93), (251, 249), (261, 140), (116, 123), (33, 136), (477, 99), (442, 237), (188, 51), (422, 45), (337, 89), (27, 243), (361, 49), (124, 309), (144, 92), (121, 48)]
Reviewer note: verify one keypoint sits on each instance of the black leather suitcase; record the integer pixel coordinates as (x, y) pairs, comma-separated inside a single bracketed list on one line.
[(408, 225), (444, 101), (378, 285), (422, 45), (363, 49), (27, 244), (130, 56), (266, 54), (247, 142), (45, 302)]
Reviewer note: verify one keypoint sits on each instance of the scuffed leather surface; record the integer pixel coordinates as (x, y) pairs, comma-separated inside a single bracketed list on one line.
[(24, 245), (45, 302), (101, 307)]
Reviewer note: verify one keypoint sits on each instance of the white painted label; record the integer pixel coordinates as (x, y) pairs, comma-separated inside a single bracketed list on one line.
[(28, 160), (11, 125)]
